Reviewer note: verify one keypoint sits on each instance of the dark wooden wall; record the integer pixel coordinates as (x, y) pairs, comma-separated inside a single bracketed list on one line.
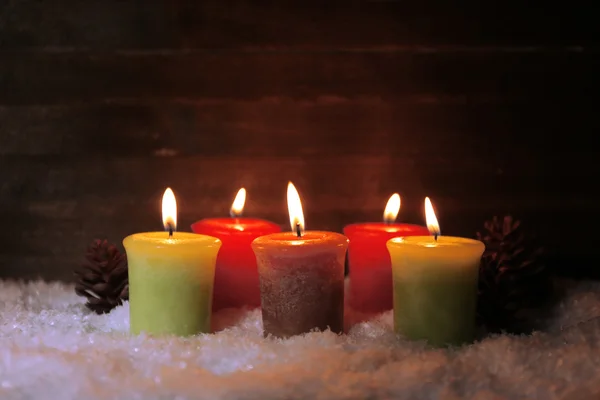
[(104, 103)]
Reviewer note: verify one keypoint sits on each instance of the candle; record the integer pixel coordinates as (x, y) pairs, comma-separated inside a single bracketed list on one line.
[(236, 277), (435, 285), (370, 288), (301, 277), (171, 278)]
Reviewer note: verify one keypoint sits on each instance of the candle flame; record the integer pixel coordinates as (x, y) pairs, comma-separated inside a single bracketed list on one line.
[(391, 209), (169, 210), (431, 219), (295, 209), (237, 208)]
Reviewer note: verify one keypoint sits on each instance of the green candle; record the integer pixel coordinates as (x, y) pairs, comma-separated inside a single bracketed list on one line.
[(171, 278), (435, 285)]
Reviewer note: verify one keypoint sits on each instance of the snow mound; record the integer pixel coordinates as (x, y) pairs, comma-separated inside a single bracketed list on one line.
[(52, 347)]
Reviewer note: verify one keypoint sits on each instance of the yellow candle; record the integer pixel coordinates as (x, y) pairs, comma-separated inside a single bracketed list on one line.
[(171, 278), (435, 285)]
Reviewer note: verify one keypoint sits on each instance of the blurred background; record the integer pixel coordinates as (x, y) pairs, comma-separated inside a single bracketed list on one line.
[(489, 111)]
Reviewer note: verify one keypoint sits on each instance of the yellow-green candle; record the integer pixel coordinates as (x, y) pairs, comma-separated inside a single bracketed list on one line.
[(171, 278), (435, 285)]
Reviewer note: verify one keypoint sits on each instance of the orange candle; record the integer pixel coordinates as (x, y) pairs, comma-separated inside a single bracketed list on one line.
[(301, 277)]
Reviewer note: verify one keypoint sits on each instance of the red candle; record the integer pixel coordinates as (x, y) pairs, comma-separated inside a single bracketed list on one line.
[(236, 276), (301, 277), (371, 289)]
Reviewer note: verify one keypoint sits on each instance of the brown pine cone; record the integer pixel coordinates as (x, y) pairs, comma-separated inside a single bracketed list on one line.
[(102, 277)]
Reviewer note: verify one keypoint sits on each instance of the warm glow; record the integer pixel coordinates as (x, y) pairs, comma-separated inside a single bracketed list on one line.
[(295, 209), (391, 209), (430, 218), (237, 208), (169, 210)]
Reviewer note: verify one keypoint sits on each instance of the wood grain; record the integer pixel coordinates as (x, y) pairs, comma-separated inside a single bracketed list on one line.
[(285, 127), (487, 110), (33, 77), (308, 24)]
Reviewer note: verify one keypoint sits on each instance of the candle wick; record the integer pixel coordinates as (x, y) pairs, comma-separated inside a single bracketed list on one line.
[(170, 230), (233, 214), (298, 230), (435, 235)]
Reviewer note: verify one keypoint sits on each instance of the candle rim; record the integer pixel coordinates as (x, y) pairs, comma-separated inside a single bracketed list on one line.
[(431, 242), (379, 227), (162, 238), (216, 225), (309, 238)]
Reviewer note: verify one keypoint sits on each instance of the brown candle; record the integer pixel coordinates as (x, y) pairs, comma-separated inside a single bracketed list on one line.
[(301, 277), (301, 282)]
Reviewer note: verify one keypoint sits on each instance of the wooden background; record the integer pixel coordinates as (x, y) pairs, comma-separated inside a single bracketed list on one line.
[(105, 103)]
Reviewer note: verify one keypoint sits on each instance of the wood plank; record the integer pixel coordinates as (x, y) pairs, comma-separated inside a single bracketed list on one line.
[(243, 24), (67, 178), (281, 127), (55, 77)]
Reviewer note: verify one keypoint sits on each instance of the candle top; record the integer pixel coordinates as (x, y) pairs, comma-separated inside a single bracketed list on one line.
[(446, 250), (431, 242), (162, 239), (241, 225), (376, 227), (310, 239)]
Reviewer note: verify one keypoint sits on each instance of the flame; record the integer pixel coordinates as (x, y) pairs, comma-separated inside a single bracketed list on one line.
[(295, 209), (169, 210), (430, 218), (237, 208), (391, 209)]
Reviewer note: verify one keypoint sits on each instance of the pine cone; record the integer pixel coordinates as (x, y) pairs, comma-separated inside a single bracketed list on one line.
[(103, 278), (513, 281)]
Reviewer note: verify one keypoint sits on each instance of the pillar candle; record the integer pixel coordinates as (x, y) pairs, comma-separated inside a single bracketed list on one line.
[(171, 278), (435, 285), (236, 276), (301, 277), (370, 289)]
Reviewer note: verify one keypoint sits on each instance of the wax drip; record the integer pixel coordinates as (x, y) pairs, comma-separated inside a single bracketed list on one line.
[(298, 230)]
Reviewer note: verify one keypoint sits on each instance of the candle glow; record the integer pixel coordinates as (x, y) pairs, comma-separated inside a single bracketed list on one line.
[(169, 210), (171, 278), (237, 208), (391, 209), (295, 209), (435, 282), (301, 277), (236, 276), (431, 219)]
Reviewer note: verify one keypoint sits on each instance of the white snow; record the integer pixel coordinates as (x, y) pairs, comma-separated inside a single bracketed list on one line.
[(52, 347)]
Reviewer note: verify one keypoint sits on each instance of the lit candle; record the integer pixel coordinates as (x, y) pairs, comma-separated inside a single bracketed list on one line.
[(301, 277), (171, 277), (236, 277), (435, 285), (370, 288)]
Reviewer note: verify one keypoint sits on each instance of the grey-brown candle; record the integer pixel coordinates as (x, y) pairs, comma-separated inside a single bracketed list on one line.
[(301, 277)]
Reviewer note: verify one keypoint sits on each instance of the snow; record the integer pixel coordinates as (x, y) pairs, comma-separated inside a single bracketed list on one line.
[(52, 347)]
